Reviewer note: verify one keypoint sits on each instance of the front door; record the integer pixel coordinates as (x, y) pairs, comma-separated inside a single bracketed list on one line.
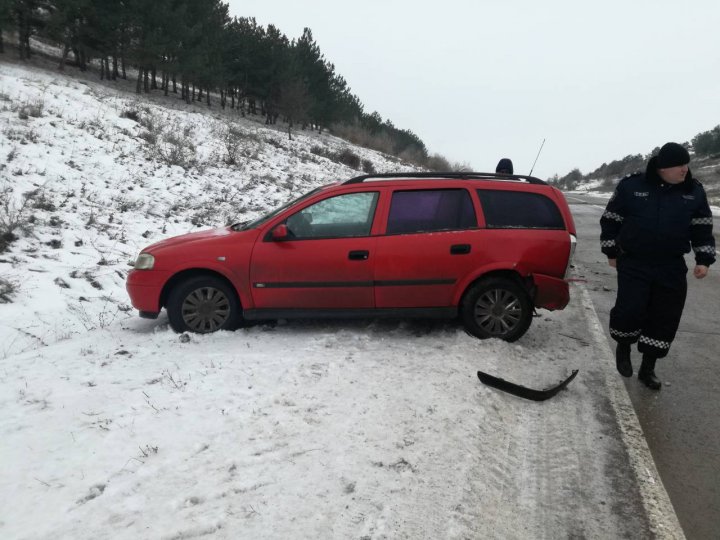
[(326, 262)]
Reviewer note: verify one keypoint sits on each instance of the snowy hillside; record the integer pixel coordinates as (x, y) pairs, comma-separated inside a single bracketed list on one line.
[(91, 175), (113, 426)]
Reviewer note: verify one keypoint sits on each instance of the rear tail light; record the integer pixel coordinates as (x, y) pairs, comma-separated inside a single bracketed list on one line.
[(573, 245)]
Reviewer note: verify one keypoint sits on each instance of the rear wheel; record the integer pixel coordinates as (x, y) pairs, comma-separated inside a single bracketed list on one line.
[(497, 307), (203, 304)]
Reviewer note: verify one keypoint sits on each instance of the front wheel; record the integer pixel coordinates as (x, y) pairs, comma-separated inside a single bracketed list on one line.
[(203, 304), (497, 308)]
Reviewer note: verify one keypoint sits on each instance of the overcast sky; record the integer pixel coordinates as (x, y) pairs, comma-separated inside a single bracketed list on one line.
[(485, 79)]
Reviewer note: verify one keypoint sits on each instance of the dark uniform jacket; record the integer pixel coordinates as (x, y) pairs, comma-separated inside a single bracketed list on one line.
[(653, 220)]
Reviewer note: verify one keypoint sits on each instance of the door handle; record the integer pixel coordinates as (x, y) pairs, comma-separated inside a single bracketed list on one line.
[(460, 249), (360, 255)]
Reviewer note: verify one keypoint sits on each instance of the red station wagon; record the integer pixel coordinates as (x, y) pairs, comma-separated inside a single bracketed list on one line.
[(488, 248)]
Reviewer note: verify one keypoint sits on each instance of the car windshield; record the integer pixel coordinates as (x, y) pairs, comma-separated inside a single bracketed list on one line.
[(247, 225)]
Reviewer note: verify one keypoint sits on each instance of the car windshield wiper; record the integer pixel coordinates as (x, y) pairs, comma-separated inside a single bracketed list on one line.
[(239, 226)]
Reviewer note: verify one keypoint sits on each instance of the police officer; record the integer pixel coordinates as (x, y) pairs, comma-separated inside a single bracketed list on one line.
[(650, 222)]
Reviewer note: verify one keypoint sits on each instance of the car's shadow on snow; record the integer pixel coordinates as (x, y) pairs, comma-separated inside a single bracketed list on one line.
[(415, 327), (419, 327)]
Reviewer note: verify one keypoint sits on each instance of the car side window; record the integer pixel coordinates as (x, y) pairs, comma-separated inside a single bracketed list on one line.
[(519, 210), (343, 216), (430, 210)]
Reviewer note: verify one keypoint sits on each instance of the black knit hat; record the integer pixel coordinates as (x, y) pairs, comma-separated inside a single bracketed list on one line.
[(672, 155), (504, 166)]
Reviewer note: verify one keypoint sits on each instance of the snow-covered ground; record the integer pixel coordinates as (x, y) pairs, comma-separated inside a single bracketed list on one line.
[(115, 427)]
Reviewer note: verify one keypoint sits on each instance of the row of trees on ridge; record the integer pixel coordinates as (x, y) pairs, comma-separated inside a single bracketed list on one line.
[(195, 49), (703, 145)]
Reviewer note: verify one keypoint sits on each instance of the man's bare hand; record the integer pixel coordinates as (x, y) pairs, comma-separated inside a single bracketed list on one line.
[(700, 271), (612, 262)]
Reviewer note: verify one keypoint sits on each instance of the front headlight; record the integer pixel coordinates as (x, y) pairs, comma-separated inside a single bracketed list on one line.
[(145, 261)]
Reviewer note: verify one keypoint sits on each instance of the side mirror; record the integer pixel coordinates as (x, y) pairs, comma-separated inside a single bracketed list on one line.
[(280, 233)]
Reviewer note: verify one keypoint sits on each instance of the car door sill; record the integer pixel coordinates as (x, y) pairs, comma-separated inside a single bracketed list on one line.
[(363, 313)]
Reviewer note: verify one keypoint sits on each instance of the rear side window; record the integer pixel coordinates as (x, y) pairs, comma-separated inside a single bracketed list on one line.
[(519, 210), (430, 210)]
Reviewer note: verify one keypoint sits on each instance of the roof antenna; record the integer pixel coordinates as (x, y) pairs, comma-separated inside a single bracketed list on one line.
[(536, 158)]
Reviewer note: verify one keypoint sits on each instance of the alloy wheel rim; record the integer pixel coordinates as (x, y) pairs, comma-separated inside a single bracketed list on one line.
[(498, 312), (205, 310)]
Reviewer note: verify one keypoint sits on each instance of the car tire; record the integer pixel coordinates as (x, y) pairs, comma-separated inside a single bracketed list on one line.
[(203, 304), (497, 308)]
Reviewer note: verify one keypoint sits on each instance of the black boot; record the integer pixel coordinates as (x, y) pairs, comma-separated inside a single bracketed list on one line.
[(647, 373), (622, 359)]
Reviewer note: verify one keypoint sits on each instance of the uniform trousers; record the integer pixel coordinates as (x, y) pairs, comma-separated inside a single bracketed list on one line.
[(650, 301)]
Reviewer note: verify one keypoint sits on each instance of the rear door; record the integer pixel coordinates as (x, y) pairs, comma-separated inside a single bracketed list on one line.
[(428, 239), (526, 227), (326, 261)]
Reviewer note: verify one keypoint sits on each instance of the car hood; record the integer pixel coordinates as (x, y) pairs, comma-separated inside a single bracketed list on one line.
[(199, 236)]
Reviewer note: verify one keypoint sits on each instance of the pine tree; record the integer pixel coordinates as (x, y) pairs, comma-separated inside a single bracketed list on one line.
[(67, 25), (314, 73), (242, 56), (6, 19), (146, 39), (707, 143), (28, 20), (294, 98), (274, 61)]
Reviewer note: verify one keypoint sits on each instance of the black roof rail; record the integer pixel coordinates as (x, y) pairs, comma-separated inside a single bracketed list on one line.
[(449, 175)]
